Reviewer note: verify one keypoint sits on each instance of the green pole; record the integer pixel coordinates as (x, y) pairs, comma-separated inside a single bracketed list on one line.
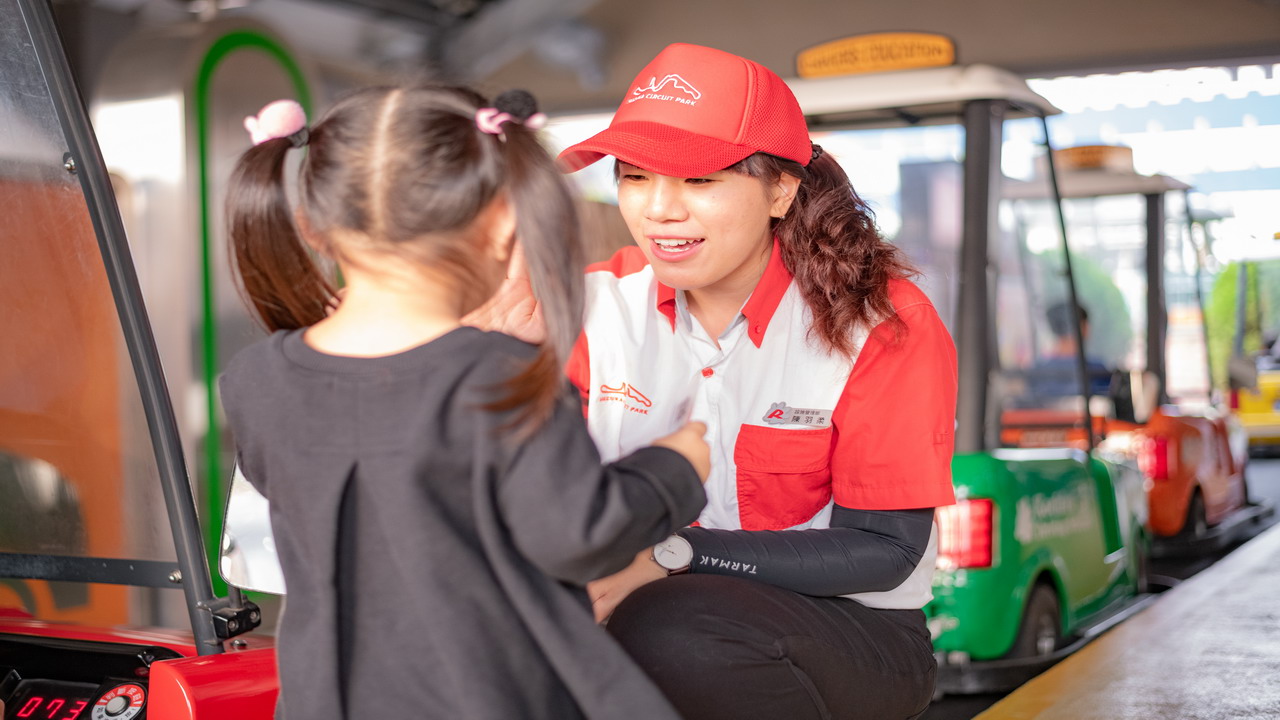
[(248, 40)]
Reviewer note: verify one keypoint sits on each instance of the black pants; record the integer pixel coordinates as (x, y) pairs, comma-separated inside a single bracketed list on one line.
[(723, 647)]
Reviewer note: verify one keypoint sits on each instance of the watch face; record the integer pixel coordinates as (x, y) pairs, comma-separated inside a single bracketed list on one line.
[(674, 553)]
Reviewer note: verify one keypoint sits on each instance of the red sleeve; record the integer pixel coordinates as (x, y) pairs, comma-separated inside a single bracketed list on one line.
[(895, 421), (625, 261)]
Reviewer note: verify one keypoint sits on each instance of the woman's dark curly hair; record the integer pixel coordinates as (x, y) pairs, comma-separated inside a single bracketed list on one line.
[(832, 248)]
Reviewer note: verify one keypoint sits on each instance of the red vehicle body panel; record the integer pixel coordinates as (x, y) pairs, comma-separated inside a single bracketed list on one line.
[(1201, 457), (240, 685)]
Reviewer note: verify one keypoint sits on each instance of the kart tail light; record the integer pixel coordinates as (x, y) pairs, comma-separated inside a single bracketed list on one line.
[(965, 534), (1234, 400), (1154, 459)]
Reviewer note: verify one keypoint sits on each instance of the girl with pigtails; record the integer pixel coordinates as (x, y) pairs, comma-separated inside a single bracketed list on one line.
[(436, 501), (761, 294)]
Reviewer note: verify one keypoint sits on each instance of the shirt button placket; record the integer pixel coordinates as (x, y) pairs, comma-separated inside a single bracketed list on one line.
[(720, 484), (712, 384)]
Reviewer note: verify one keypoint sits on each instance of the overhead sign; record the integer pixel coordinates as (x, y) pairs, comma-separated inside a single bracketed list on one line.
[(876, 52), (1095, 157)]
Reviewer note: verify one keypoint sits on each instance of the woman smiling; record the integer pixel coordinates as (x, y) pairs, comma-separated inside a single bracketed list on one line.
[(761, 299)]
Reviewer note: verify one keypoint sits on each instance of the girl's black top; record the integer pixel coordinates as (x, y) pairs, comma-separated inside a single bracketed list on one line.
[(435, 565)]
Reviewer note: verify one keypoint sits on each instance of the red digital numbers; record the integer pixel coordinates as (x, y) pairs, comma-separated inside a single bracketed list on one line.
[(48, 708)]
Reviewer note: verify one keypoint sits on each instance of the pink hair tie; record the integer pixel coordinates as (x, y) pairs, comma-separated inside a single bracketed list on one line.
[(279, 119), (490, 120), (516, 106)]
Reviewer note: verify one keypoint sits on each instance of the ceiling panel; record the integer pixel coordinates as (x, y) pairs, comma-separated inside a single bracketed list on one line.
[(1029, 37)]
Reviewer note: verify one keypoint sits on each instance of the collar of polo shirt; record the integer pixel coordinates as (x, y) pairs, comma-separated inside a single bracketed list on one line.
[(760, 306)]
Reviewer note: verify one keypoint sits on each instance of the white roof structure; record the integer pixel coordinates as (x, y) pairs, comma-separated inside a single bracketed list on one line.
[(1094, 183), (910, 96)]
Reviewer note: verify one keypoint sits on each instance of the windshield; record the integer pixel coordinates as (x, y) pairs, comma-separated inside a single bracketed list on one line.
[(1108, 234), (912, 179), (1111, 234), (77, 472)]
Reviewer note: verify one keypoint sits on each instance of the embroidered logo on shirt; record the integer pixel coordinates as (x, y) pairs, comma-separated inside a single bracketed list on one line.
[(782, 414), (622, 394)]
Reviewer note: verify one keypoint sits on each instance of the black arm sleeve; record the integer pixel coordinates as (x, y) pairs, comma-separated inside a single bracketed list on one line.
[(862, 551)]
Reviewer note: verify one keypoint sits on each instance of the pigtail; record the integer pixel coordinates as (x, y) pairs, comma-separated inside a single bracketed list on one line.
[(547, 229), (830, 244), (278, 277)]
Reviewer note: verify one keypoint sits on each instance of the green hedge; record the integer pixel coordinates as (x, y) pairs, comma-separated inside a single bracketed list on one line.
[(1262, 315)]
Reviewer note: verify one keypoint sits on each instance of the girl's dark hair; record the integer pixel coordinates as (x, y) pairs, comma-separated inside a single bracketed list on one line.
[(407, 170), (830, 244)]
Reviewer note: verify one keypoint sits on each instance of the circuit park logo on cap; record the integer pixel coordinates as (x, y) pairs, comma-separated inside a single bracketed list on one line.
[(658, 90), (704, 110)]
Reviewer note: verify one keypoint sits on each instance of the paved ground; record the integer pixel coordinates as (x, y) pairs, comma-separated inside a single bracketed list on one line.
[(1209, 649)]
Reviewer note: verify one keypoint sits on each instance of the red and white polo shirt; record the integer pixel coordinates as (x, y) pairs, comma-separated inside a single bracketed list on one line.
[(792, 427)]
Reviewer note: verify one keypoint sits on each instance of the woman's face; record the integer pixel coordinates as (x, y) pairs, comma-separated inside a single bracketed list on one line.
[(709, 233)]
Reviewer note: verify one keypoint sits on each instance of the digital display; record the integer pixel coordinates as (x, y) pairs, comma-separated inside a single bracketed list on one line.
[(49, 700)]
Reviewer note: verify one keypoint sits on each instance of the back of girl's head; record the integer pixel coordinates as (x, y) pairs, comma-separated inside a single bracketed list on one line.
[(408, 171)]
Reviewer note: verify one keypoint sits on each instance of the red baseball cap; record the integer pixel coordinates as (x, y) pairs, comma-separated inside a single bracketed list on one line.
[(695, 110)]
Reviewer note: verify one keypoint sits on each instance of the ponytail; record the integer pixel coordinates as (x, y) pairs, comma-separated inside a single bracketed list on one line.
[(830, 244), (547, 230), (278, 277)]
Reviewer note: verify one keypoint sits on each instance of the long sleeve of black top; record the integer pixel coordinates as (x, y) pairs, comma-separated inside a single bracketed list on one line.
[(570, 516), (862, 551)]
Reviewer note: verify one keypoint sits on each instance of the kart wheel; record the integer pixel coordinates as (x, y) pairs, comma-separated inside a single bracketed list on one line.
[(1041, 630), (1142, 568), (1196, 525)]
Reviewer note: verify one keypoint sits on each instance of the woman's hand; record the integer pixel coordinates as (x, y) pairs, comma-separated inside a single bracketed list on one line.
[(513, 309), (608, 592), (690, 442)]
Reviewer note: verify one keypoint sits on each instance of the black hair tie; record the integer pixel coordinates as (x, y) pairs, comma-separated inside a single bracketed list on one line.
[(519, 104)]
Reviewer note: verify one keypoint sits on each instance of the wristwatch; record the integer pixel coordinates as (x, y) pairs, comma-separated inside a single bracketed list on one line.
[(675, 555)]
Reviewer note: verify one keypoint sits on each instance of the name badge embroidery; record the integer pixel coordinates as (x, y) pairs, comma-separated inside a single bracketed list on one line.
[(782, 414)]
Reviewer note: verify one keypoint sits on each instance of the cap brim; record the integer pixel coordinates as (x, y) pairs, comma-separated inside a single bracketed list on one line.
[(655, 147)]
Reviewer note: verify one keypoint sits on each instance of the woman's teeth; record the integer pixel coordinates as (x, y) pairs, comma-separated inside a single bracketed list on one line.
[(676, 245)]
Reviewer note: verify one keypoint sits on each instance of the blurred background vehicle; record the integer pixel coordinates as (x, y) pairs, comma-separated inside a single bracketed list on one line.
[(99, 532), (1132, 237), (1254, 365)]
